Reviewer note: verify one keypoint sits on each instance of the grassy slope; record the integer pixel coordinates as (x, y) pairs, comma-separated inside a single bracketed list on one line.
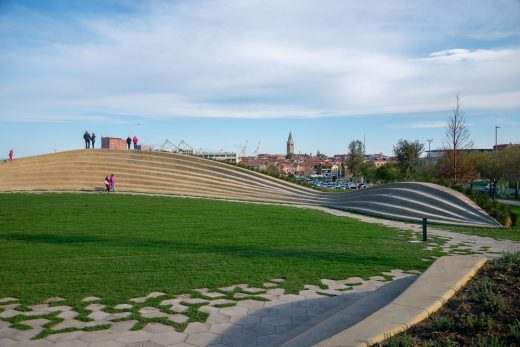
[(507, 234), (122, 246)]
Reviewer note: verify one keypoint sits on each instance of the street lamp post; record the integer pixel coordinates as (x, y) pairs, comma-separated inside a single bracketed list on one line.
[(495, 163), (429, 151)]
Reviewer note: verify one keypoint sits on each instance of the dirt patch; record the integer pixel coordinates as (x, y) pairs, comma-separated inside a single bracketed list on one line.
[(486, 312)]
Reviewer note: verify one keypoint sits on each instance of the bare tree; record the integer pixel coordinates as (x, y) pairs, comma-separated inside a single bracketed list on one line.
[(457, 138)]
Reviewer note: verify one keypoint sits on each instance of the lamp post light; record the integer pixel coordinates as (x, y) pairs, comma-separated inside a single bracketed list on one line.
[(429, 151), (496, 138), (495, 163)]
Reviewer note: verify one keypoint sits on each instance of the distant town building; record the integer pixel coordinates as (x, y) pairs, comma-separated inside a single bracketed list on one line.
[(144, 147), (379, 159), (228, 157), (290, 146), (113, 143), (504, 146), (438, 153)]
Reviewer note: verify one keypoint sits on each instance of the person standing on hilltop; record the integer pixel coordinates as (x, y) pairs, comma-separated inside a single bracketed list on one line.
[(93, 139), (128, 141), (135, 140), (86, 137), (11, 155)]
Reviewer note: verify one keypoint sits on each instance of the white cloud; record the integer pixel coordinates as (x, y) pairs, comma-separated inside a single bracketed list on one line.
[(252, 59), (427, 125)]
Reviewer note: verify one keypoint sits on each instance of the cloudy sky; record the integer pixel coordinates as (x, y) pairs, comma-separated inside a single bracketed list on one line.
[(217, 73)]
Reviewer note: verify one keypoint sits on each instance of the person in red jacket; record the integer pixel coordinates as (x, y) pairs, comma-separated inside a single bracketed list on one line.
[(135, 140), (107, 184), (11, 154)]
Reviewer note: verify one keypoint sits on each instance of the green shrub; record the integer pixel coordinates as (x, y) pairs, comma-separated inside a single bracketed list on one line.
[(511, 259), (481, 322), (442, 323), (447, 343), (514, 330), (502, 213), (402, 340), (484, 292), (487, 341)]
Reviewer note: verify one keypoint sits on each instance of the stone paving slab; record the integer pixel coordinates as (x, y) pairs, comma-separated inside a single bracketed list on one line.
[(10, 313), (62, 308), (8, 299), (123, 307), (54, 299), (95, 307), (155, 294), (68, 315), (91, 298)]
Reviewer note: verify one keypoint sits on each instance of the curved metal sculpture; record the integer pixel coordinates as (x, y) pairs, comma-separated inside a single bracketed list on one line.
[(177, 174)]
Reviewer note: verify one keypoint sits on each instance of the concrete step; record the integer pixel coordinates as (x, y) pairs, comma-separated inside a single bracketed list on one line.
[(177, 174)]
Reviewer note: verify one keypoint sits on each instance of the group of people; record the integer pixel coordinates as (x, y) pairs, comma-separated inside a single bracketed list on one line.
[(129, 141), (110, 183), (89, 139)]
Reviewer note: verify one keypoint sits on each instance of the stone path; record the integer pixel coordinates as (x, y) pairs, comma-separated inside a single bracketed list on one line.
[(451, 242), (254, 316), (509, 202), (238, 315)]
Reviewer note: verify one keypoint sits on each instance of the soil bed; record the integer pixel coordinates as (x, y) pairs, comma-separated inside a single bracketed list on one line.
[(486, 312)]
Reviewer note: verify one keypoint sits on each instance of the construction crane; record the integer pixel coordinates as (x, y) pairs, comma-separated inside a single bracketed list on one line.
[(255, 153), (184, 148), (244, 150), (168, 146)]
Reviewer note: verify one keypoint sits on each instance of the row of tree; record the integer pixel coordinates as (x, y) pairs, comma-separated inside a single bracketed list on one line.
[(457, 165)]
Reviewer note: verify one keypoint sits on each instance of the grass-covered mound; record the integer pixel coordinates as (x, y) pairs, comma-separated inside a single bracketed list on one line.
[(122, 246), (484, 313)]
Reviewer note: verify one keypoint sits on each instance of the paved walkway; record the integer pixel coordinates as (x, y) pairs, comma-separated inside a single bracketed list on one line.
[(509, 202), (453, 243), (247, 321), (254, 316)]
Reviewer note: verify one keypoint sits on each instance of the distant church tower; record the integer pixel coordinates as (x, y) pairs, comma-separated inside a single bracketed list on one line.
[(290, 146)]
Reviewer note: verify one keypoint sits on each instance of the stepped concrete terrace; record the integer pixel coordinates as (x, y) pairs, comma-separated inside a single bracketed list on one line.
[(182, 175)]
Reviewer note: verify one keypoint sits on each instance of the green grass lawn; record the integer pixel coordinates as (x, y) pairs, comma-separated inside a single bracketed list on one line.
[(122, 246), (501, 234)]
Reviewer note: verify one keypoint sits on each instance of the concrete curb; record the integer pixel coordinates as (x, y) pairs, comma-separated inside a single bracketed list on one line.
[(425, 296)]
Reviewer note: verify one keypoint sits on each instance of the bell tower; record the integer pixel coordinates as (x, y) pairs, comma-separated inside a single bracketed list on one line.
[(290, 146)]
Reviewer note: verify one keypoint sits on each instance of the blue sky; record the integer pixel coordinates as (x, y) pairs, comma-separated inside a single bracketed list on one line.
[(217, 73)]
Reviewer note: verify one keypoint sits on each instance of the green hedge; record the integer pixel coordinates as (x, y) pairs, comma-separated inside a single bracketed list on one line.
[(502, 213)]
